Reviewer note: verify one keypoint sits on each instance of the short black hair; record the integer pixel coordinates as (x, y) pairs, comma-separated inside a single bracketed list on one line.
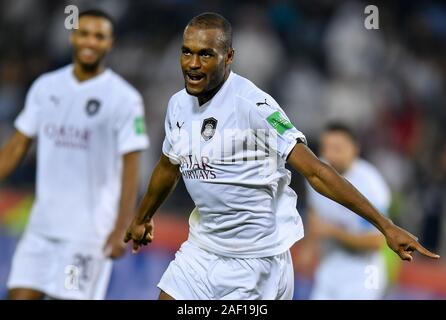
[(212, 20), (337, 126), (99, 14)]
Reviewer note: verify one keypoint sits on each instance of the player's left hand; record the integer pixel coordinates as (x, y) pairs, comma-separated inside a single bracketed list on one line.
[(140, 233), (115, 246), (404, 243)]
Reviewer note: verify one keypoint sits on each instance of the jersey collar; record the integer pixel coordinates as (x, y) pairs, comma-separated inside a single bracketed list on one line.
[(216, 97), (87, 83)]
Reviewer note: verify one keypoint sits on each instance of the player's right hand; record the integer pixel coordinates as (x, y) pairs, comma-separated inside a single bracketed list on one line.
[(140, 233), (404, 243)]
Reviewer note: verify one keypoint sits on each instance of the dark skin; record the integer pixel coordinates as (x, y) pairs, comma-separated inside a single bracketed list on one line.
[(195, 60), (325, 180), (91, 43), (340, 151), (205, 62)]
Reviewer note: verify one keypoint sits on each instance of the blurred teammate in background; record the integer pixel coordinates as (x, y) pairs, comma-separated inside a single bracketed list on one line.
[(245, 219), (89, 127), (351, 265)]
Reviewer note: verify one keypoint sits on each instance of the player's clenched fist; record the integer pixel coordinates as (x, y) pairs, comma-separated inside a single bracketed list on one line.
[(140, 233)]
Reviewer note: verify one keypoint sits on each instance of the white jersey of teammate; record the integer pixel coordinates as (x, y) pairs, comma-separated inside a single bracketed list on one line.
[(232, 152), (344, 274), (82, 131)]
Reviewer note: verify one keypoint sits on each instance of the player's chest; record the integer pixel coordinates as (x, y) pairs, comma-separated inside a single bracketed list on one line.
[(86, 109), (201, 131), (215, 142)]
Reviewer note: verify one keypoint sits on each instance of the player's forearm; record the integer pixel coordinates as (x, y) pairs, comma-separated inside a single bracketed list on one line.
[(129, 190), (7, 164), (359, 242), (162, 183), (12, 154), (363, 241), (311, 223), (329, 183)]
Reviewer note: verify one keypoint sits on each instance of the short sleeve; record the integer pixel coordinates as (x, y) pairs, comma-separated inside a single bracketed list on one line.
[(168, 143), (27, 122), (131, 127), (281, 133)]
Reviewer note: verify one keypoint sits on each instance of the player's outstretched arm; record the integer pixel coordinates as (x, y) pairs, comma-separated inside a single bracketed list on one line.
[(325, 180), (12, 153), (163, 181)]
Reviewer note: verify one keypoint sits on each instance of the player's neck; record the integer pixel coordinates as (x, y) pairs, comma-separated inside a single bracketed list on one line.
[(83, 74), (209, 95)]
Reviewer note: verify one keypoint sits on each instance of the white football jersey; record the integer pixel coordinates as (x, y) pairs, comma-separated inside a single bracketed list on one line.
[(340, 266), (232, 152), (364, 177), (83, 129)]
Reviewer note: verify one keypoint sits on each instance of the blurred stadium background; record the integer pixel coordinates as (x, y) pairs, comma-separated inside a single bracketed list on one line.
[(318, 61)]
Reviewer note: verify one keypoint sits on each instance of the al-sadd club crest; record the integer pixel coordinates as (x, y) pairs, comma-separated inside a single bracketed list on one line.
[(208, 128), (92, 107)]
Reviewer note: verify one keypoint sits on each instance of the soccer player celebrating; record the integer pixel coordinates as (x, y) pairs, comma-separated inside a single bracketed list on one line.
[(245, 219), (89, 125), (351, 266)]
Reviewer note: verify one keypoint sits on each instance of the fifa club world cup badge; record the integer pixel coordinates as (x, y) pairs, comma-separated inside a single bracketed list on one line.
[(208, 128), (92, 107)]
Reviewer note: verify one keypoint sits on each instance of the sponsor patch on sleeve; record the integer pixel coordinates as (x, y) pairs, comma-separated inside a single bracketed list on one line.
[(139, 125), (278, 122)]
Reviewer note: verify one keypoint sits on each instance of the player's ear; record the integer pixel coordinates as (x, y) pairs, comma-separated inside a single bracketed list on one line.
[(229, 56)]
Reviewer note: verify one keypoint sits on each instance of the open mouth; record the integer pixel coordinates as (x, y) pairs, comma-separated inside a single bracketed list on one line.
[(88, 53), (194, 77)]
